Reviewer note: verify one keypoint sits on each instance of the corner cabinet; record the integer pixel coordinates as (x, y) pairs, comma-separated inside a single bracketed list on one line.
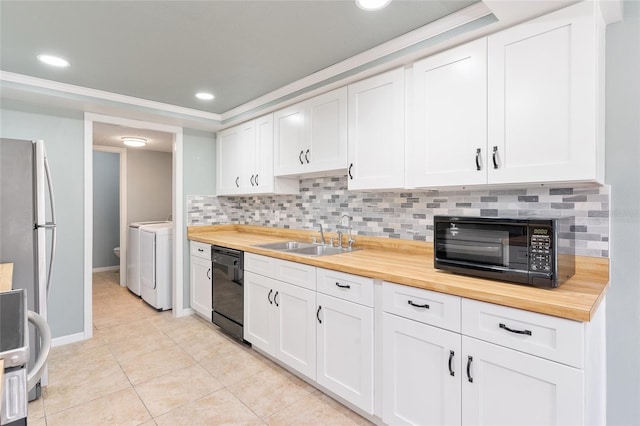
[(200, 283), (311, 136), (377, 132), (244, 159)]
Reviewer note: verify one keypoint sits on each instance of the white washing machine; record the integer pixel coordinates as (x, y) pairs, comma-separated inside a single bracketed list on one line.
[(133, 254), (156, 265)]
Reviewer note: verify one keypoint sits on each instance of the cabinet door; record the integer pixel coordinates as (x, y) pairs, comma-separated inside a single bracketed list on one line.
[(201, 286), (258, 311), (450, 142), (295, 343), (262, 150), (229, 156), (326, 131), (376, 132), (289, 142), (345, 350), (514, 388), (421, 373), (543, 77)]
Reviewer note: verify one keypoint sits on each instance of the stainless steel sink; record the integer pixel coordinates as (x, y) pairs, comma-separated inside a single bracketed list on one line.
[(319, 251), (286, 245)]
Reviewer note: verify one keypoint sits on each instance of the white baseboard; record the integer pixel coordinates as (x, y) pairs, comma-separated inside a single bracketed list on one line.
[(107, 268), (70, 338), (185, 312)]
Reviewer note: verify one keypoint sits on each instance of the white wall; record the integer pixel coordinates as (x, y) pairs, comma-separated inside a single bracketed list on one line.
[(63, 134), (106, 208), (623, 174), (149, 182)]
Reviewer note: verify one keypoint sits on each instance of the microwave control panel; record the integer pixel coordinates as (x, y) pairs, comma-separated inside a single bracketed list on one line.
[(540, 250)]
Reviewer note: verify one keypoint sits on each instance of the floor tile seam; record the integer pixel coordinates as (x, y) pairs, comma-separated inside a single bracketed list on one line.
[(82, 403), (143, 403)]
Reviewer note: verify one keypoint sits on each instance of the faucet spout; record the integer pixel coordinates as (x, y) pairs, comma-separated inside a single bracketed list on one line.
[(321, 234)]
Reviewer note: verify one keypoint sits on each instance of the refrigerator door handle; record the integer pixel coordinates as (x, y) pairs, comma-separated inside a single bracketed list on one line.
[(50, 225)]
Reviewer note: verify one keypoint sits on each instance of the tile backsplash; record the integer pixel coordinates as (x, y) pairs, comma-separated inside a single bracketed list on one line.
[(409, 215)]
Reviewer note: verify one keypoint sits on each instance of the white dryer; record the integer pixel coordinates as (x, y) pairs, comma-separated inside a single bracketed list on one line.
[(133, 254), (156, 265)]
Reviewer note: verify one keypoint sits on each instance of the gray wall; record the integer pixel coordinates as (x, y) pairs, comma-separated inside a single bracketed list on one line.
[(623, 174), (149, 183), (64, 141), (106, 208), (199, 158)]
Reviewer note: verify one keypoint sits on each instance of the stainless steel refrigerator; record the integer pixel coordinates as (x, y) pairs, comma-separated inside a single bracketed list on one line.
[(27, 227)]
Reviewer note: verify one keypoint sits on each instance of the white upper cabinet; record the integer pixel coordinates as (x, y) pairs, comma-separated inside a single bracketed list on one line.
[(245, 160), (449, 146), (543, 83), (311, 137), (377, 132)]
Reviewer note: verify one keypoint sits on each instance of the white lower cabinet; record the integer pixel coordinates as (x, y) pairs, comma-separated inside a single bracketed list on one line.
[(502, 386), (279, 319), (200, 283), (421, 373), (345, 350)]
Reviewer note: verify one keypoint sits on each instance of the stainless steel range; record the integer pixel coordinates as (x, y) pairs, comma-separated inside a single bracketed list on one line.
[(228, 290)]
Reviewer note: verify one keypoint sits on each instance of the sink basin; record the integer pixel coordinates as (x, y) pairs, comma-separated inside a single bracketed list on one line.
[(320, 250), (286, 245)]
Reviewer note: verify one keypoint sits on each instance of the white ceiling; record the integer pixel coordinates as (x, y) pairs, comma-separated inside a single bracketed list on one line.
[(111, 135), (165, 51)]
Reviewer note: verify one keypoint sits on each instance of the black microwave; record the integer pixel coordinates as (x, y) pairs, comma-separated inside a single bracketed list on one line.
[(534, 251)]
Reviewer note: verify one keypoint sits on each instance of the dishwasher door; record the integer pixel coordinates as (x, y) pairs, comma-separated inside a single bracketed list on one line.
[(228, 290)]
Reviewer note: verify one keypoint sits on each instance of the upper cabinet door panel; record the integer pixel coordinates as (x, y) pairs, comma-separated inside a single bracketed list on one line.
[(376, 131), (229, 153), (326, 128), (289, 134), (543, 80), (263, 154), (450, 140)]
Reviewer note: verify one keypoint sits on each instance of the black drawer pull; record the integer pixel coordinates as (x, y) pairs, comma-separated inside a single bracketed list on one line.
[(504, 327), (209, 274), (269, 296), (201, 251), (469, 361), (425, 306), (451, 354), (343, 285), (318, 314)]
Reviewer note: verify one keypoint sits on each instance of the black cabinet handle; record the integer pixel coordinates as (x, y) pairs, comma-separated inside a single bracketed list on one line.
[(209, 273), (237, 184), (318, 314), (201, 251), (469, 361), (350, 167), (306, 156), (343, 285), (269, 296), (451, 354), (425, 306), (275, 299), (300, 157), (251, 180), (504, 327), (495, 155), (478, 159), (256, 180)]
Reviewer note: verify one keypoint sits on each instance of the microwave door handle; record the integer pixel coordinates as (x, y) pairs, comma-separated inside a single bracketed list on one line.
[(471, 249)]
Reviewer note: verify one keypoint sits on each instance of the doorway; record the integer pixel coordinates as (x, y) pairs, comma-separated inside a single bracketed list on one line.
[(93, 123)]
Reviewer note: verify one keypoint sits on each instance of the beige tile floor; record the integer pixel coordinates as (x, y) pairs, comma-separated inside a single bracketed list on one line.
[(143, 367)]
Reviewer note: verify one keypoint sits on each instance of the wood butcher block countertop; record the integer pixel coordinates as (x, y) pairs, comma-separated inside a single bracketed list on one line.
[(411, 263)]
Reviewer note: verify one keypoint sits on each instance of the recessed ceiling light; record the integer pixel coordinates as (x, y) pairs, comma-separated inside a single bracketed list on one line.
[(372, 4), (55, 61), (204, 96), (134, 142)]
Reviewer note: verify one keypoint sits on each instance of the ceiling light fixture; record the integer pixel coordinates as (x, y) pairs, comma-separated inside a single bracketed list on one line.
[(372, 4), (55, 61), (134, 142), (205, 96)]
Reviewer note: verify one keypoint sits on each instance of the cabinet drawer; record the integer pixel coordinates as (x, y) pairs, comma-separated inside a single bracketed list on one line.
[(296, 273), (553, 338), (201, 250), (429, 307), (261, 265), (349, 287)]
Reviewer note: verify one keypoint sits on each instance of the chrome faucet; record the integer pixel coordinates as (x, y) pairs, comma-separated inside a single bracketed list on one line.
[(321, 233), (350, 239)]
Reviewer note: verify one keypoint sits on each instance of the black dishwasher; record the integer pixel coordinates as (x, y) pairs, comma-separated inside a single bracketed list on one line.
[(228, 290)]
